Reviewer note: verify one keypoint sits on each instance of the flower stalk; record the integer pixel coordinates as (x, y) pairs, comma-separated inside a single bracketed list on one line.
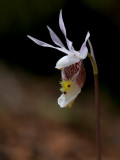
[(97, 106), (98, 148)]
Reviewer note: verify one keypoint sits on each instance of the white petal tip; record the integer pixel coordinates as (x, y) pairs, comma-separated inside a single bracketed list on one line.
[(88, 33), (60, 10), (87, 36), (48, 27), (58, 67), (33, 39), (29, 36)]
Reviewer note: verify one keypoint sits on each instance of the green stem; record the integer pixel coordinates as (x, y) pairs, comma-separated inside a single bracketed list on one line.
[(97, 107), (95, 68), (98, 148)]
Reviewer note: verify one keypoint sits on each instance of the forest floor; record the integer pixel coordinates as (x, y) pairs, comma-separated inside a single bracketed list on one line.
[(33, 127)]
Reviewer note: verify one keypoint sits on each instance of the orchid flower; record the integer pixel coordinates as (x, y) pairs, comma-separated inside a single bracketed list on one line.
[(71, 65), (73, 78)]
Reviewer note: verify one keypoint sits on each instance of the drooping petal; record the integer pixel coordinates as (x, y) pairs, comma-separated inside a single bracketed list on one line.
[(84, 50), (67, 61), (55, 38), (63, 29), (66, 99), (43, 44)]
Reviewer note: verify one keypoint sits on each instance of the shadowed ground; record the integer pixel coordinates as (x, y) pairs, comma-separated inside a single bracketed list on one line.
[(33, 127)]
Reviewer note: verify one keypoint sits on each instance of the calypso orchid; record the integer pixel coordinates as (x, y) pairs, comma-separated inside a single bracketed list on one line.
[(71, 66)]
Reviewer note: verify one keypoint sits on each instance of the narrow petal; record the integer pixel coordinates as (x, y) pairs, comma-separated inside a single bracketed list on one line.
[(55, 38), (69, 44), (66, 99), (84, 49), (61, 23), (87, 36), (43, 44), (63, 29), (67, 61)]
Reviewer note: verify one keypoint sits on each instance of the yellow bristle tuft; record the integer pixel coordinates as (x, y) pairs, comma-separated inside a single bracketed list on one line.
[(66, 85)]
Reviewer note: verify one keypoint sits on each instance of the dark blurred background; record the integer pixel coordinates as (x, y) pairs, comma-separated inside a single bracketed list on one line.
[(101, 18), (29, 82)]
